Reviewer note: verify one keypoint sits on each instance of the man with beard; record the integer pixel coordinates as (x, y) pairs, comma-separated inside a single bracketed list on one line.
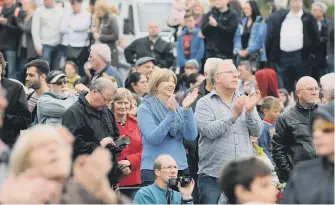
[(37, 71)]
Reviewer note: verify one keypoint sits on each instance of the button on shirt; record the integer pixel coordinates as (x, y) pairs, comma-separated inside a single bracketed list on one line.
[(291, 33), (222, 138), (74, 28)]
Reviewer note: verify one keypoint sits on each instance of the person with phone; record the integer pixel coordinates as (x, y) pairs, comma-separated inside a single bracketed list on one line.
[(129, 159)]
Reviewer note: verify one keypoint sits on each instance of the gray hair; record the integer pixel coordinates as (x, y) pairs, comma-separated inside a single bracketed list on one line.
[(216, 67), (323, 7), (210, 63), (247, 65), (281, 4), (327, 84), (104, 51), (101, 84)]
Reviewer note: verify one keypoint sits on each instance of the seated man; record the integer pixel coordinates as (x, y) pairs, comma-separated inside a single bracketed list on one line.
[(165, 168)]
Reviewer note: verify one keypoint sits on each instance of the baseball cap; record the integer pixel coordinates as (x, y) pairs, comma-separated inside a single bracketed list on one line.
[(55, 76), (144, 60)]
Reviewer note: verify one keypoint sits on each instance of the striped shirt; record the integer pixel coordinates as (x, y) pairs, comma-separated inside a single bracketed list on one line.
[(32, 101), (222, 138)]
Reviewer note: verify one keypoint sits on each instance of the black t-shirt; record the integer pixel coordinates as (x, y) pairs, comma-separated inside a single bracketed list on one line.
[(246, 35)]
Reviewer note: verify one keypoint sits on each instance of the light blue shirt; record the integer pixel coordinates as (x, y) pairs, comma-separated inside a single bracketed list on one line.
[(156, 139), (74, 28)]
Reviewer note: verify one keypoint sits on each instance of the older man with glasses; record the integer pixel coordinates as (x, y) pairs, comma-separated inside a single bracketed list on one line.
[(293, 141), (91, 122), (226, 120), (52, 104), (165, 168)]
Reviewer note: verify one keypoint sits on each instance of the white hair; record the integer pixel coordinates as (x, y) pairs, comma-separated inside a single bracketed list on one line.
[(214, 70), (323, 7), (327, 83), (101, 84), (211, 63), (104, 51), (281, 4)]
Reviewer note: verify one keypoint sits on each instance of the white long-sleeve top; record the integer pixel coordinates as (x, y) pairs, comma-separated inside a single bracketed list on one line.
[(45, 27), (74, 28)]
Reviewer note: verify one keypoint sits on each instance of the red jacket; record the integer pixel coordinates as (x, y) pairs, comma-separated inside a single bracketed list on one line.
[(133, 152)]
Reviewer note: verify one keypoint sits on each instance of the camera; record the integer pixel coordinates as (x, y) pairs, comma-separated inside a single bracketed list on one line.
[(183, 180), (120, 144)]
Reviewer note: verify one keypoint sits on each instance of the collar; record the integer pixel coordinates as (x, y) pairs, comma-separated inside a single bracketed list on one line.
[(214, 92), (302, 109), (269, 121), (299, 14), (89, 109), (327, 164), (99, 74)]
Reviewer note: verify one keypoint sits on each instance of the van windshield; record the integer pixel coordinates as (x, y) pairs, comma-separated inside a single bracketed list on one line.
[(158, 12)]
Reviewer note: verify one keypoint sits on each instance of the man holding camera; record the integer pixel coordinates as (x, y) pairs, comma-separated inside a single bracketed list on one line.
[(92, 123), (160, 192)]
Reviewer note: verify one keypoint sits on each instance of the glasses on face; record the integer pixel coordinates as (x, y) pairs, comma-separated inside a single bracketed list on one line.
[(170, 167), (63, 82), (106, 100), (231, 72), (326, 127), (311, 89)]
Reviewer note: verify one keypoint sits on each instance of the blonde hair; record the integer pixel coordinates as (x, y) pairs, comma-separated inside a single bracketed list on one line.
[(103, 5), (25, 143), (159, 76), (123, 93), (111, 78), (198, 4)]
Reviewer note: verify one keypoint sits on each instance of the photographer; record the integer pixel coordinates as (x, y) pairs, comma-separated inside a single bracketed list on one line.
[(92, 123), (165, 168)]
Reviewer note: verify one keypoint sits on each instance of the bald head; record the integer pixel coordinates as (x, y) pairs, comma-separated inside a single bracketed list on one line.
[(153, 30), (163, 159), (306, 81), (307, 90)]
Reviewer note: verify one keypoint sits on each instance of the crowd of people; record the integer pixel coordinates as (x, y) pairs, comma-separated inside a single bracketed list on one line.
[(244, 113)]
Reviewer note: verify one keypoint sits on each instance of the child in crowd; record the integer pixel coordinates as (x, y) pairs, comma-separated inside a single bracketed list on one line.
[(253, 186), (271, 108)]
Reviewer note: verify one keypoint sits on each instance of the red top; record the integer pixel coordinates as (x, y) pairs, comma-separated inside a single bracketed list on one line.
[(133, 152)]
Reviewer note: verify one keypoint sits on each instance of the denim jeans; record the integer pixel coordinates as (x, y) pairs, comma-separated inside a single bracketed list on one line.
[(291, 68), (148, 176), (208, 189), (10, 57), (53, 55)]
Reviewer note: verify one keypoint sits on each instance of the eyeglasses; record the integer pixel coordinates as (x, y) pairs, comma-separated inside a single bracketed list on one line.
[(311, 89), (170, 167), (106, 100), (231, 72), (326, 127), (63, 82)]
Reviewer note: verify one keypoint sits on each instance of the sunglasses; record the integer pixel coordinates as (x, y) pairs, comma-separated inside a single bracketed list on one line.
[(65, 82), (326, 127)]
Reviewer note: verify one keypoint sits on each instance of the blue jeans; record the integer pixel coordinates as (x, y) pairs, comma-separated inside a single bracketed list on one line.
[(208, 189), (53, 55), (148, 176), (10, 57)]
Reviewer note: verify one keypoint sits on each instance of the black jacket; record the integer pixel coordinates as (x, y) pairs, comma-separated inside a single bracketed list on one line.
[(162, 51), (292, 141), (89, 126), (311, 39), (17, 116), (219, 39), (311, 182), (9, 33)]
